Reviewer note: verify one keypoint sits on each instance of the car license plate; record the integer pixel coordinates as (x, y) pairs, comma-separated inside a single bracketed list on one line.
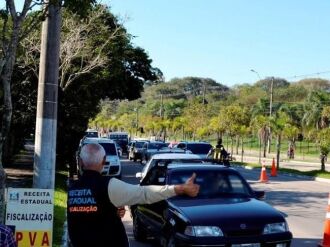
[(246, 245)]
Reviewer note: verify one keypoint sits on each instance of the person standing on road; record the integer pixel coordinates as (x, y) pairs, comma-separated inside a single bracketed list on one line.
[(93, 201)]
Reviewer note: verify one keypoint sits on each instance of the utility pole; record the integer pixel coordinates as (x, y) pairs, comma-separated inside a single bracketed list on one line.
[(271, 97), (270, 111), (46, 123), (204, 92)]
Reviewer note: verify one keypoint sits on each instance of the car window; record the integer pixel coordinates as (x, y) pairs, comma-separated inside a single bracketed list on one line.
[(110, 148), (199, 148), (213, 183), (156, 145), (139, 144), (92, 134)]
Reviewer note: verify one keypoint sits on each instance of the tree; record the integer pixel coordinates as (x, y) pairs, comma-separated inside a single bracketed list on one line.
[(191, 112), (234, 118), (313, 107), (323, 139), (14, 29), (278, 123), (261, 125)]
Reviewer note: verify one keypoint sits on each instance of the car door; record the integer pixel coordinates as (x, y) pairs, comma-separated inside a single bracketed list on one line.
[(152, 215)]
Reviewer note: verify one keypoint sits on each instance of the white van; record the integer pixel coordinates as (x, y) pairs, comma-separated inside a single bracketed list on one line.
[(112, 165)]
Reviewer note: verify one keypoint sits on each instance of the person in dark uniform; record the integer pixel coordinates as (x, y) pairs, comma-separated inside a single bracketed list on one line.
[(93, 201), (219, 153)]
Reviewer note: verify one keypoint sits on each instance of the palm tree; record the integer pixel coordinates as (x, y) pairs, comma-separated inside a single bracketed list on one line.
[(324, 145), (313, 107), (261, 125)]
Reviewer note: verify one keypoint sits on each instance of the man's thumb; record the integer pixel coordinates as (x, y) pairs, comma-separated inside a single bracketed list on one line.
[(191, 179)]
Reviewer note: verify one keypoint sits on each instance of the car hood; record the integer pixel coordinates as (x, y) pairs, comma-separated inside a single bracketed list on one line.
[(227, 213)]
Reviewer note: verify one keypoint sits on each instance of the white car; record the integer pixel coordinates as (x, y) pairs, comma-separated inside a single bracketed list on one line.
[(159, 159), (112, 165)]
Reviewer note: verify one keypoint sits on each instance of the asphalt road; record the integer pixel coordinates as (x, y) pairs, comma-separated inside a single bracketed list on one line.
[(303, 201)]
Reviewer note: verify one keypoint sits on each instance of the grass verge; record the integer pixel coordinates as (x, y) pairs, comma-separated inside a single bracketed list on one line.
[(313, 173), (59, 207)]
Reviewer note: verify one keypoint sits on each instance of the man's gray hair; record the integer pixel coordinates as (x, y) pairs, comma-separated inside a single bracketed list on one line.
[(92, 154)]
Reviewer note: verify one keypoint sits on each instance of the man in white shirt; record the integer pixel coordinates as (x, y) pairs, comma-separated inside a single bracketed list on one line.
[(93, 201)]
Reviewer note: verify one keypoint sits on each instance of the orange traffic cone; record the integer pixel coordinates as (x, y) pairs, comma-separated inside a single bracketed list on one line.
[(274, 171), (263, 174), (326, 236)]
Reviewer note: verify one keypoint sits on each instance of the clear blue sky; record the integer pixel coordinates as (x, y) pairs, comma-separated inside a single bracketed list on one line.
[(223, 40)]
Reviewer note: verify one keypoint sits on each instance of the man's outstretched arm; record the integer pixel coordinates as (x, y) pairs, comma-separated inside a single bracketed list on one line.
[(121, 193)]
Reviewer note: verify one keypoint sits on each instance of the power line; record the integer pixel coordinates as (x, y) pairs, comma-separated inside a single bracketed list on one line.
[(308, 75)]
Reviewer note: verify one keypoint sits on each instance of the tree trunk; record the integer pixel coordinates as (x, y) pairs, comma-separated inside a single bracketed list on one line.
[(242, 150), (265, 148), (232, 145), (278, 151), (323, 158), (5, 79), (269, 142), (237, 144)]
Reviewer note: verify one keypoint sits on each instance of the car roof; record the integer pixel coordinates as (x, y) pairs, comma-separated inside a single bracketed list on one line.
[(97, 140), (199, 166), (194, 142), (167, 156), (91, 130)]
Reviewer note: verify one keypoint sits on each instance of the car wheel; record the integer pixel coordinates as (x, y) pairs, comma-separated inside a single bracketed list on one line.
[(138, 232), (134, 159)]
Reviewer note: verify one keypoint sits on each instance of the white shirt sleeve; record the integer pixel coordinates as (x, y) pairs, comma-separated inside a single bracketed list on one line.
[(125, 194)]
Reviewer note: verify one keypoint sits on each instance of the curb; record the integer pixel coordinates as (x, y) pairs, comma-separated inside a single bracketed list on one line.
[(323, 180)]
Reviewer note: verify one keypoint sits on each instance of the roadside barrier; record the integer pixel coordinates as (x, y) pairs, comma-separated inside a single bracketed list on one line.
[(326, 236), (274, 170), (263, 174)]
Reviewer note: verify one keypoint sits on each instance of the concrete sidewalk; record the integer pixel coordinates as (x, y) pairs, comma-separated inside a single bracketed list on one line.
[(284, 163)]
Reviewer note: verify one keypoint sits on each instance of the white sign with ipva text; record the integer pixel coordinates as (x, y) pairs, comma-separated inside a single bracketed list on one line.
[(30, 211)]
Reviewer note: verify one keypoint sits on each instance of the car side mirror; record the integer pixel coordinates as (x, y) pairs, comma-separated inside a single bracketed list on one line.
[(138, 175), (260, 195)]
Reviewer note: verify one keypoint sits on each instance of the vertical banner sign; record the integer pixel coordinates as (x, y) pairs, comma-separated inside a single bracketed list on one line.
[(30, 211)]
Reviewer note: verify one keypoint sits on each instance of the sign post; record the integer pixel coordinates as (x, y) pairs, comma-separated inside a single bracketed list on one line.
[(30, 212)]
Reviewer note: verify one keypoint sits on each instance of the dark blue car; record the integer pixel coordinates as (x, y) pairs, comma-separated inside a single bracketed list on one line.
[(227, 212)]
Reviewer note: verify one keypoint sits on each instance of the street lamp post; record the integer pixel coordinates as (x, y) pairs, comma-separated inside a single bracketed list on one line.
[(252, 70)]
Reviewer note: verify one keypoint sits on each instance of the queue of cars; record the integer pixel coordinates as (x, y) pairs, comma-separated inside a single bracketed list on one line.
[(143, 150), (227, 211)]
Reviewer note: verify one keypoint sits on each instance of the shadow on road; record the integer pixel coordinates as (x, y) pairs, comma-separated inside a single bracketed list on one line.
[(305, 242), (294, 198)]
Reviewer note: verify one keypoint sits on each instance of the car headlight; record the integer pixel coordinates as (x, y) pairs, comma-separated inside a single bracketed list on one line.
[(203, 231), (275, 228)]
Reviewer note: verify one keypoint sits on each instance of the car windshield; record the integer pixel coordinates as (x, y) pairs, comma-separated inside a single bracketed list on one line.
[(214, 184), (139, 144), (92, 134), (118, 137), (109, 148), (196, 148), (156, 145)]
